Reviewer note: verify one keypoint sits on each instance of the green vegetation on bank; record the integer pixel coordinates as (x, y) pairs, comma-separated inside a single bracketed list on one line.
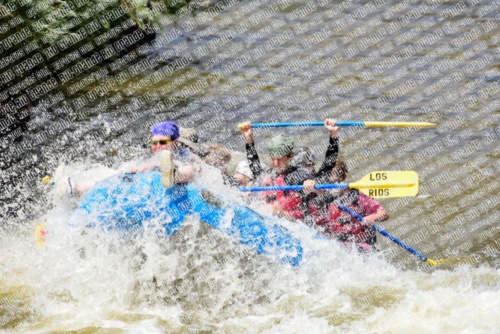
[(46, 45)]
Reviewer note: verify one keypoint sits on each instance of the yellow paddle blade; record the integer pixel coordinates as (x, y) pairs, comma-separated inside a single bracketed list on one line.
[(432, 262), (46, 179), (456, 261), (40, 233), (399, 124), (388, 184)]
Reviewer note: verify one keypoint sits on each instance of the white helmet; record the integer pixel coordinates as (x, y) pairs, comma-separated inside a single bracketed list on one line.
[(244, 169)]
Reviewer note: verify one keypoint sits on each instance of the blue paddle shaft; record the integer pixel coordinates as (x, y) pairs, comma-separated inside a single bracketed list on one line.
[(296, 187), (385, 233), (399, 242), (294, 124), (349, 211)]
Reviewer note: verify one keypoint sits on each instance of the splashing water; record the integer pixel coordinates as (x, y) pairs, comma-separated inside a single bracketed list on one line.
[(200, 279)]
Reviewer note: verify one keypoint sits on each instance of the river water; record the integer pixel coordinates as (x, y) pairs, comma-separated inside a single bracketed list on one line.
[(348, 60)]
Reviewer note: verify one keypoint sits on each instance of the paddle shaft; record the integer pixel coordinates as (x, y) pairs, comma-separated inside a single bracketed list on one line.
[(400, 243), (295, 187), (356, 185), (344, 123), (385, 234), (286, 125)]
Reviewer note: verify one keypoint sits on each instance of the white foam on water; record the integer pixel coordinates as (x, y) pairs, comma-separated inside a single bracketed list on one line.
[(201, 279)]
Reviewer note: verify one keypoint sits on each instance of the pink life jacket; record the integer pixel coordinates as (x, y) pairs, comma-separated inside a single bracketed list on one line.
[(341, 224), (289, 201)]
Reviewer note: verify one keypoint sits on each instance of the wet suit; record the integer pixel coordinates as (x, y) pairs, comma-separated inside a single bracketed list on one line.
[(331, 156)]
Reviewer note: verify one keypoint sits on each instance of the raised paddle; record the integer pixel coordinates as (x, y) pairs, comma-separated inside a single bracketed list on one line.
[(346, 123), (422, 257), (379, 184)]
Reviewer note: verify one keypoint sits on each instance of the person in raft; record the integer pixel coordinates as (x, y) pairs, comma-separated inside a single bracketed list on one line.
[(165, 137), (182, 142), (325, 213), (287, 171), (283, 172), (219, 157), (164, 142)]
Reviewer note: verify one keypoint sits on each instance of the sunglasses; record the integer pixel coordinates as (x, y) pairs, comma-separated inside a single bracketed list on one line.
[(161, 141)]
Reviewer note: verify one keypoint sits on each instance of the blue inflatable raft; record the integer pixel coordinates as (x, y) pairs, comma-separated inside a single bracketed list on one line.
[(128, 202)]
